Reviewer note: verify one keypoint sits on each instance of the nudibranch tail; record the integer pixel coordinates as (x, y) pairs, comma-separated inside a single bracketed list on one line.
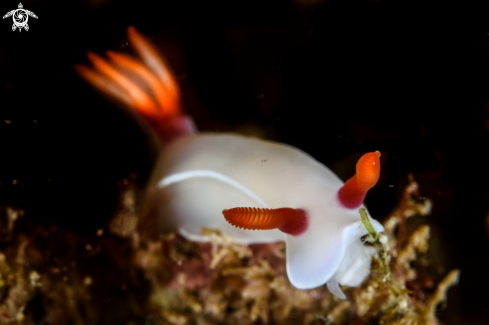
[(290, 221), (352, 194), (146, 86)]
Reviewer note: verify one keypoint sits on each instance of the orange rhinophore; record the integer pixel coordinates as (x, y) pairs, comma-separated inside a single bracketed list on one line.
[(145, 85), (288, 220), (352, 194)]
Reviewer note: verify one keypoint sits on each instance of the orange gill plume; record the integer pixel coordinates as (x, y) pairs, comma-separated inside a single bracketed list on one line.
[(352, 194), (161, 93), (139, 99), (290, 221), (152, 58), (145, 85)]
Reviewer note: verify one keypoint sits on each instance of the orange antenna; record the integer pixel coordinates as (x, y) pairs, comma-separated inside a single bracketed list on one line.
[(352, 194), (290, 221)]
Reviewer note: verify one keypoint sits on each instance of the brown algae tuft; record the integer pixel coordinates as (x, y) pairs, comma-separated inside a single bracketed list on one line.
[(130, 275)]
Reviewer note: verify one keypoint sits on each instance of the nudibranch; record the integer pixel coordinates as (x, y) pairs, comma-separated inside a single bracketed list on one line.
[(252, 190)]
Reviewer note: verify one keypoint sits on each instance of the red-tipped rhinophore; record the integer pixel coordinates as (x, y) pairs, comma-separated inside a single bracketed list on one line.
[(290, 221), (352, 194)]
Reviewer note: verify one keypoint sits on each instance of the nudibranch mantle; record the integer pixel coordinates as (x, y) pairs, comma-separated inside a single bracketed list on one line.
[(197, 176)]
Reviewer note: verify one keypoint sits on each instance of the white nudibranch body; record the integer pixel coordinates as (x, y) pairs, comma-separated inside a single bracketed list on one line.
[(197, 176), (225, 181)]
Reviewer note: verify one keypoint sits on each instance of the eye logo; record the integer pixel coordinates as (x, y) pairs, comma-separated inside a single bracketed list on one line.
[(20, 17)]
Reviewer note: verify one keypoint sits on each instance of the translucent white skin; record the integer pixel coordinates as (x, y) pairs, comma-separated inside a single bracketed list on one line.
[(197, 176)]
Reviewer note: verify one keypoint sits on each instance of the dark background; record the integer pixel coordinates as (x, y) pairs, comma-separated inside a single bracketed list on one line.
[(334, 78)]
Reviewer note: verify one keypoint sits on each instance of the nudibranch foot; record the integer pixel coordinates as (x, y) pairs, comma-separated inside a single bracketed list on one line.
[(290, 221), (354, 268), (146, 86)]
